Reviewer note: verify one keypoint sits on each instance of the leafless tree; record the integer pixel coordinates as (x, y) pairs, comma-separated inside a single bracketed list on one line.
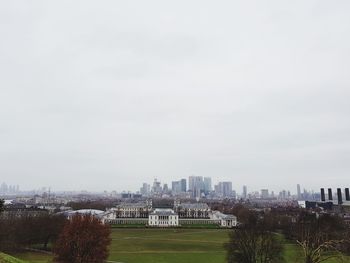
[(84, 239)]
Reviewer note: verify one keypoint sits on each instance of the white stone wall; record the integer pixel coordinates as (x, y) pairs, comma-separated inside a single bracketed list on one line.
[(163, 220)]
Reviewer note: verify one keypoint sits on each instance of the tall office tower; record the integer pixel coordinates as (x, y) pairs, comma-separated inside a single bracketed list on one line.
[(347, 194), (183, 185), (339, 195), (264, 193), (165, 188), (157, 188), (234, 194), (145, 189), (298, 191), (244, 194), (283, 194), (176, 187), (3, 188), (323, 196), (224, 189), (196, 185), (330, 195), (227, 189), (207, 184)]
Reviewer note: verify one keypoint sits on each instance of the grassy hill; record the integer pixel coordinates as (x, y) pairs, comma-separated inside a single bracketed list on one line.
[(4, 258), (169, 246)]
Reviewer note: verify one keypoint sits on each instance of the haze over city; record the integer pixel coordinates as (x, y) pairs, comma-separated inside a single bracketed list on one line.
[(105, 97)]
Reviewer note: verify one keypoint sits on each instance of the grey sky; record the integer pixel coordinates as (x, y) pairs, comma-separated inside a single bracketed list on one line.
[(108, 94)]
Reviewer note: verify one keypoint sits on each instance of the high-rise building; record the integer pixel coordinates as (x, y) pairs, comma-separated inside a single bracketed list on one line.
[(207, 184), (244, 194), (224, 189), (157, 188), (165, 188), (145, 189), (183, 185), (196, 185), (3, 188), (176, 187), (298, 192), (264, 193)]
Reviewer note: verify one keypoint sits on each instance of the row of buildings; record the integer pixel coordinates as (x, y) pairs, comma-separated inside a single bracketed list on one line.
[(179, 214), (196, 187)]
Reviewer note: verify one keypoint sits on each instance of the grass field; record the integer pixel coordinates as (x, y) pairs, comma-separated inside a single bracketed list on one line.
[(4, 258), (169, 246)]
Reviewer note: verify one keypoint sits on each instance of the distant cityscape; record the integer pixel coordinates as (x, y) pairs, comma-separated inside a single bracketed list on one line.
[(195, 187)]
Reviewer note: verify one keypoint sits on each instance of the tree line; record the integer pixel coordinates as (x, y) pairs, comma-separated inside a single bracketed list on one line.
[(81, 239), (260, 236)]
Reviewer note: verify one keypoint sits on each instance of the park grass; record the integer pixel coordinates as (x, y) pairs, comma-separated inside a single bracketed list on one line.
[(293, 254), (4, 258), (180, 245), (128, 226), (34, 257), (168, 245)]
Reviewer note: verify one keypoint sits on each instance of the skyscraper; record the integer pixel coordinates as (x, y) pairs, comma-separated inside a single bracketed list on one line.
[(145, 189), (176, 187), (264, 193), (224, 189), (183, 185), (196, 185), (157, 188), (298, 192), (207, 184), (244, 194)]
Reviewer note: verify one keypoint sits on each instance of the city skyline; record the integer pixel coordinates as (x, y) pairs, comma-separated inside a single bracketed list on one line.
[(183, 185), (105, 98)]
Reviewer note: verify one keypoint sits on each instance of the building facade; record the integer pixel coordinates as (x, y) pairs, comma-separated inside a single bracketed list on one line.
[(163, 218)]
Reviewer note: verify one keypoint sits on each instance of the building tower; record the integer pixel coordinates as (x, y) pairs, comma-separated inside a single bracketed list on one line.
[(244, 194), (298, 191)]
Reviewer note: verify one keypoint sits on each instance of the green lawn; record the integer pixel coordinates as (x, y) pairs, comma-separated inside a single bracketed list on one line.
[(168, 245), (36, 257), (4, 258), (145, 245)]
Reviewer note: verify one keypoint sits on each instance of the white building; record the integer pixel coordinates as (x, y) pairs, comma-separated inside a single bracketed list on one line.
[(133, 210), (225, 220), (163, 218), (182, 214)]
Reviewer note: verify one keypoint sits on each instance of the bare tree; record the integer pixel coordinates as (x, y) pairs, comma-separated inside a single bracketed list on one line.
[(320, 237), (84, 239), (2, 202), (254, 242)]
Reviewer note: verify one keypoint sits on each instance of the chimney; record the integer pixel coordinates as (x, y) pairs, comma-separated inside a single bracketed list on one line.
[(340, 197), (330, 195), (323, 196), (347, 195)]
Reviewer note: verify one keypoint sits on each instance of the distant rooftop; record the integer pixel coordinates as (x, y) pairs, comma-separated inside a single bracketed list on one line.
[(138, 204), (194, 206), (163, 212), (84, 212)]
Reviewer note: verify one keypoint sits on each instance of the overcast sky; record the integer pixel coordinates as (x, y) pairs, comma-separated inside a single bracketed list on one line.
[(105, 95)]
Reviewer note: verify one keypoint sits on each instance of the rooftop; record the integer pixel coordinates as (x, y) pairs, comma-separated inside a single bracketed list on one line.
[(163, 212), (194, 206)]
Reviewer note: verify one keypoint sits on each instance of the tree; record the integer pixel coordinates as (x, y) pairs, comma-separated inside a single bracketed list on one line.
[(320, 237), (2, 202), (84, 239), (254, 242), (39, 229)]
